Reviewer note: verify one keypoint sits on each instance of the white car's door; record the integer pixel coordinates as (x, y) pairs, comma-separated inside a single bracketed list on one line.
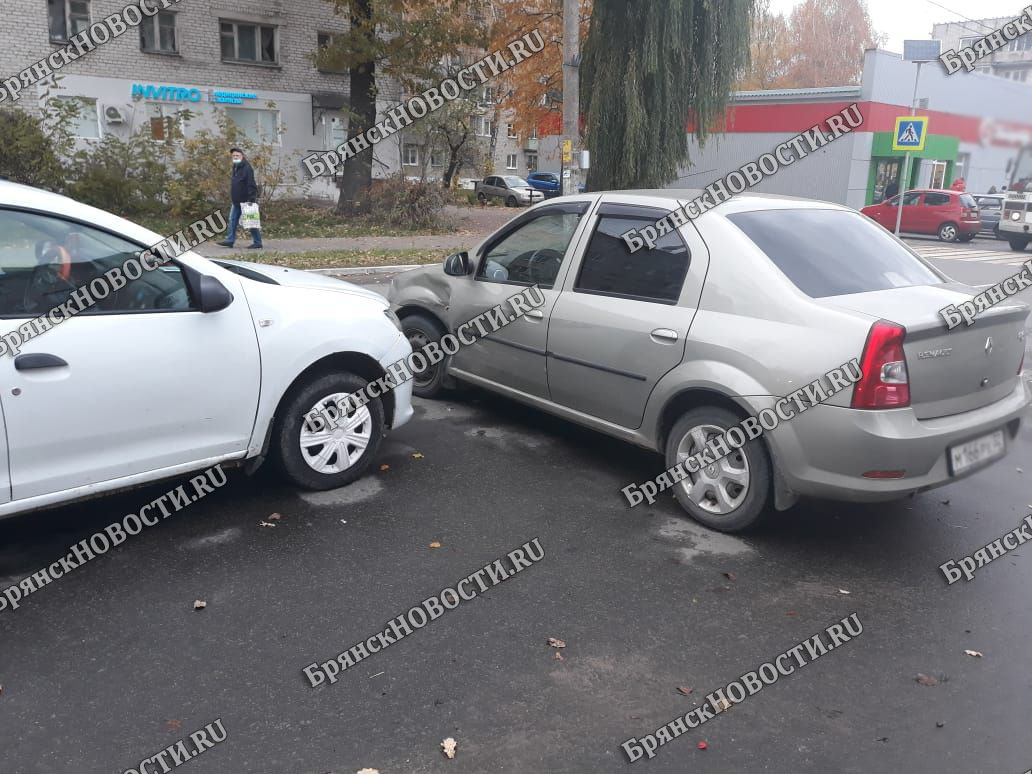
[(141, 382)]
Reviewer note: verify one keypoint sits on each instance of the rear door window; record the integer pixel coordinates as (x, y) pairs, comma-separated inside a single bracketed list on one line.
[(938, 199), (609, 268), (967, 200), (833, 252)]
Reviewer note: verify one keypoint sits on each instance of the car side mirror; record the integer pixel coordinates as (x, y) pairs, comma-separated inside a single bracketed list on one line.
[(213, 295), (458, 265)]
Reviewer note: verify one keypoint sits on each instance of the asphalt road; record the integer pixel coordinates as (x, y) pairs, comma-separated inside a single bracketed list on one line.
[(111, 663)]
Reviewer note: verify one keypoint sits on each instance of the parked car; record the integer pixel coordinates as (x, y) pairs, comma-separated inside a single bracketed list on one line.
[(546, 182), (669, 347), (952, 215), (193, 363), (512, 189), (990, 207)]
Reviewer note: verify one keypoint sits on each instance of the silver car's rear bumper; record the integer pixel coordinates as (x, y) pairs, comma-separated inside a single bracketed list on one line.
[(825, 451)]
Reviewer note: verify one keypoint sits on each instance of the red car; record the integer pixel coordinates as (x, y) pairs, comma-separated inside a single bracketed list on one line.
[(952, 215)]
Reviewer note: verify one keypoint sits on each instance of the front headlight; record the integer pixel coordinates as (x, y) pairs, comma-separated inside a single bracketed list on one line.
[(393, 318)]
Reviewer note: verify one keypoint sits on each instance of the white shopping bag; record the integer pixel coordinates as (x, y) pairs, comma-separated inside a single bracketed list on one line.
[(249, 216)]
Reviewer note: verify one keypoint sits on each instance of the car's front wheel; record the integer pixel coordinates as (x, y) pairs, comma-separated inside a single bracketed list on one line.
[(335, 449), (948, 232), (1017, 243), (420, 331), (732, 494), (482, 197)]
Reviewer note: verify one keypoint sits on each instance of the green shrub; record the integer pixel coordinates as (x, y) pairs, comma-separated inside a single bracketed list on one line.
[(129, 177), (27, 154), (395, 201)]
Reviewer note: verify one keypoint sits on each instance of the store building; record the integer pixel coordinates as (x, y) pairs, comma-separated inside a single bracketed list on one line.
[(977, 125), (249, 59)]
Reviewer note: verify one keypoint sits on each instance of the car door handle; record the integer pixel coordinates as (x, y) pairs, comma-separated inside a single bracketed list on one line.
[(38, 360), (535, 314), (663, 335)]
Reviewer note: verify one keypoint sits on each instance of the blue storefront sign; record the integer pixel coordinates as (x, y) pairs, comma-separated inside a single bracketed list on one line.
[(232, 97), (166, 93)]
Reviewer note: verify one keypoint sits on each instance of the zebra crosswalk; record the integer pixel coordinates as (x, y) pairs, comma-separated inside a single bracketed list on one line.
[(960, 252)]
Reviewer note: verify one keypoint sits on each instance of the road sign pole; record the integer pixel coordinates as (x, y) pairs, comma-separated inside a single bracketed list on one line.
[(903, 176)]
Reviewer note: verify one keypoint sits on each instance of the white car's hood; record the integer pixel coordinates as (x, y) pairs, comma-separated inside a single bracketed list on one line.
[(297, 278)]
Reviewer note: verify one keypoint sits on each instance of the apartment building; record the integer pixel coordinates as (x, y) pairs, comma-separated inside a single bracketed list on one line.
[(252, 60), (1013, 61)]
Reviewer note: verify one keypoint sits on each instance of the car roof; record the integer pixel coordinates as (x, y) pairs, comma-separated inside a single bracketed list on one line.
[(742, 202), (27, 197)]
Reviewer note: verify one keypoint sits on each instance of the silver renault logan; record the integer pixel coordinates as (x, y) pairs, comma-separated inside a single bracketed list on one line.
[(670, 346)]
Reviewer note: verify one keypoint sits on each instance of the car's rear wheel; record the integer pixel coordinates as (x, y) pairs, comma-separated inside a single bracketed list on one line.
[(1017, 243), (420, 331), (965, 237), (327, 454), (734, 493), (511, 202), (948, 232)]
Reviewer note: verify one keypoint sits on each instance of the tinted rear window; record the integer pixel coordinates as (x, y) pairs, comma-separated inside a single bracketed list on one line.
[(833, 252)]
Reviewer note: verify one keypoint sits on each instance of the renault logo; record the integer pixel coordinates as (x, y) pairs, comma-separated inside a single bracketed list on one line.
[(988, 346)]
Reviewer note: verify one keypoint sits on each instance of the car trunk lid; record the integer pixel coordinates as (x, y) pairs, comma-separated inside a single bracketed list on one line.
[(950, 371)]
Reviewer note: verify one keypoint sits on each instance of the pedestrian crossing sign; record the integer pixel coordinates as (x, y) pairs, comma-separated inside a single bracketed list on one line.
[(910, 134)]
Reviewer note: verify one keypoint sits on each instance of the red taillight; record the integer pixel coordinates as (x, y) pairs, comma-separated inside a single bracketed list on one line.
[(884, 383)]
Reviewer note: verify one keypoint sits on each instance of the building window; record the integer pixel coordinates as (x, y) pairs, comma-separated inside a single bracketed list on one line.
[(410, 155), (258, 126), (483, 126), (86, 122), (325, 40), (336, 132), (158, 34), (968, 42), (243, 42), (1024, 43), (532, 162), (510, 131), (166, 122), (436, 158), (67, 18), (510, 161)]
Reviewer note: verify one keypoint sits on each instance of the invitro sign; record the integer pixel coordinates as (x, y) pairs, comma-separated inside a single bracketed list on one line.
[(166, 93)]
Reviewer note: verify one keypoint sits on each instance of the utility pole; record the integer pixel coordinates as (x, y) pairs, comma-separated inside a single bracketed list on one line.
[(571, 91)]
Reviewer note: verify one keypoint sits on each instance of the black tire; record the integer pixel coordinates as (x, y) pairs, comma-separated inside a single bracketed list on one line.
[(757, 499), (948, 232), (965, 238), (482, 197), (287, 434), (511, 202), (420, 330), (1017, 244)]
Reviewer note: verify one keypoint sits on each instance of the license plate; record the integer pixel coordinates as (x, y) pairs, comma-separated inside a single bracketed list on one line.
[(970, 454)]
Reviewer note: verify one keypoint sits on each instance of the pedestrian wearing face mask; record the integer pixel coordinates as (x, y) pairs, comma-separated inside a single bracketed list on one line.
[(242, 189)]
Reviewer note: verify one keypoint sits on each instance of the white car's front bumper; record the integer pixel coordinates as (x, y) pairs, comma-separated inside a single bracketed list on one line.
[(403, 410)]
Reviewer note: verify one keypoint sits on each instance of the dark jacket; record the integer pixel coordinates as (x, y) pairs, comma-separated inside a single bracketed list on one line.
[(242, 187)]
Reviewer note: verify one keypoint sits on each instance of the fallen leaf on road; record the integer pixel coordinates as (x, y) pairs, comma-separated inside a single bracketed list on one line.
[(417, 455), (274, 517), (702, 745), (882, 739), (199, 604), (684, 690), (368, 771), (435, 544), (722, 704), (448, 745), (945, 502), (265, 524), (729, 575), (843, 591), (974, 653), (791, 612), (385, 467), (174, 725), (926, 679), (553, 642), (558, 656)]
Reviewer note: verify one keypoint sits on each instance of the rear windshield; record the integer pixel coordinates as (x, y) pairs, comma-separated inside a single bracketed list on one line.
[(833, 252)]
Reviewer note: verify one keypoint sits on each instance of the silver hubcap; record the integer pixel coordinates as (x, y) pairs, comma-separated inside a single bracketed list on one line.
[(949, 233), (331, 450), (718, 488)]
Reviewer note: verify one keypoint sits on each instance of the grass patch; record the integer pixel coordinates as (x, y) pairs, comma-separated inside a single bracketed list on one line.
[(339, 259), (298, 220)]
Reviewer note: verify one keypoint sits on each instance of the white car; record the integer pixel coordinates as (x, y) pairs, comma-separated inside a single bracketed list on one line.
[(170, 374)]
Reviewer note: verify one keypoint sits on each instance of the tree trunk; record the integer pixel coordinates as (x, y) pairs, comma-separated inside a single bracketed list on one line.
[(356, 175), (453, 160)]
